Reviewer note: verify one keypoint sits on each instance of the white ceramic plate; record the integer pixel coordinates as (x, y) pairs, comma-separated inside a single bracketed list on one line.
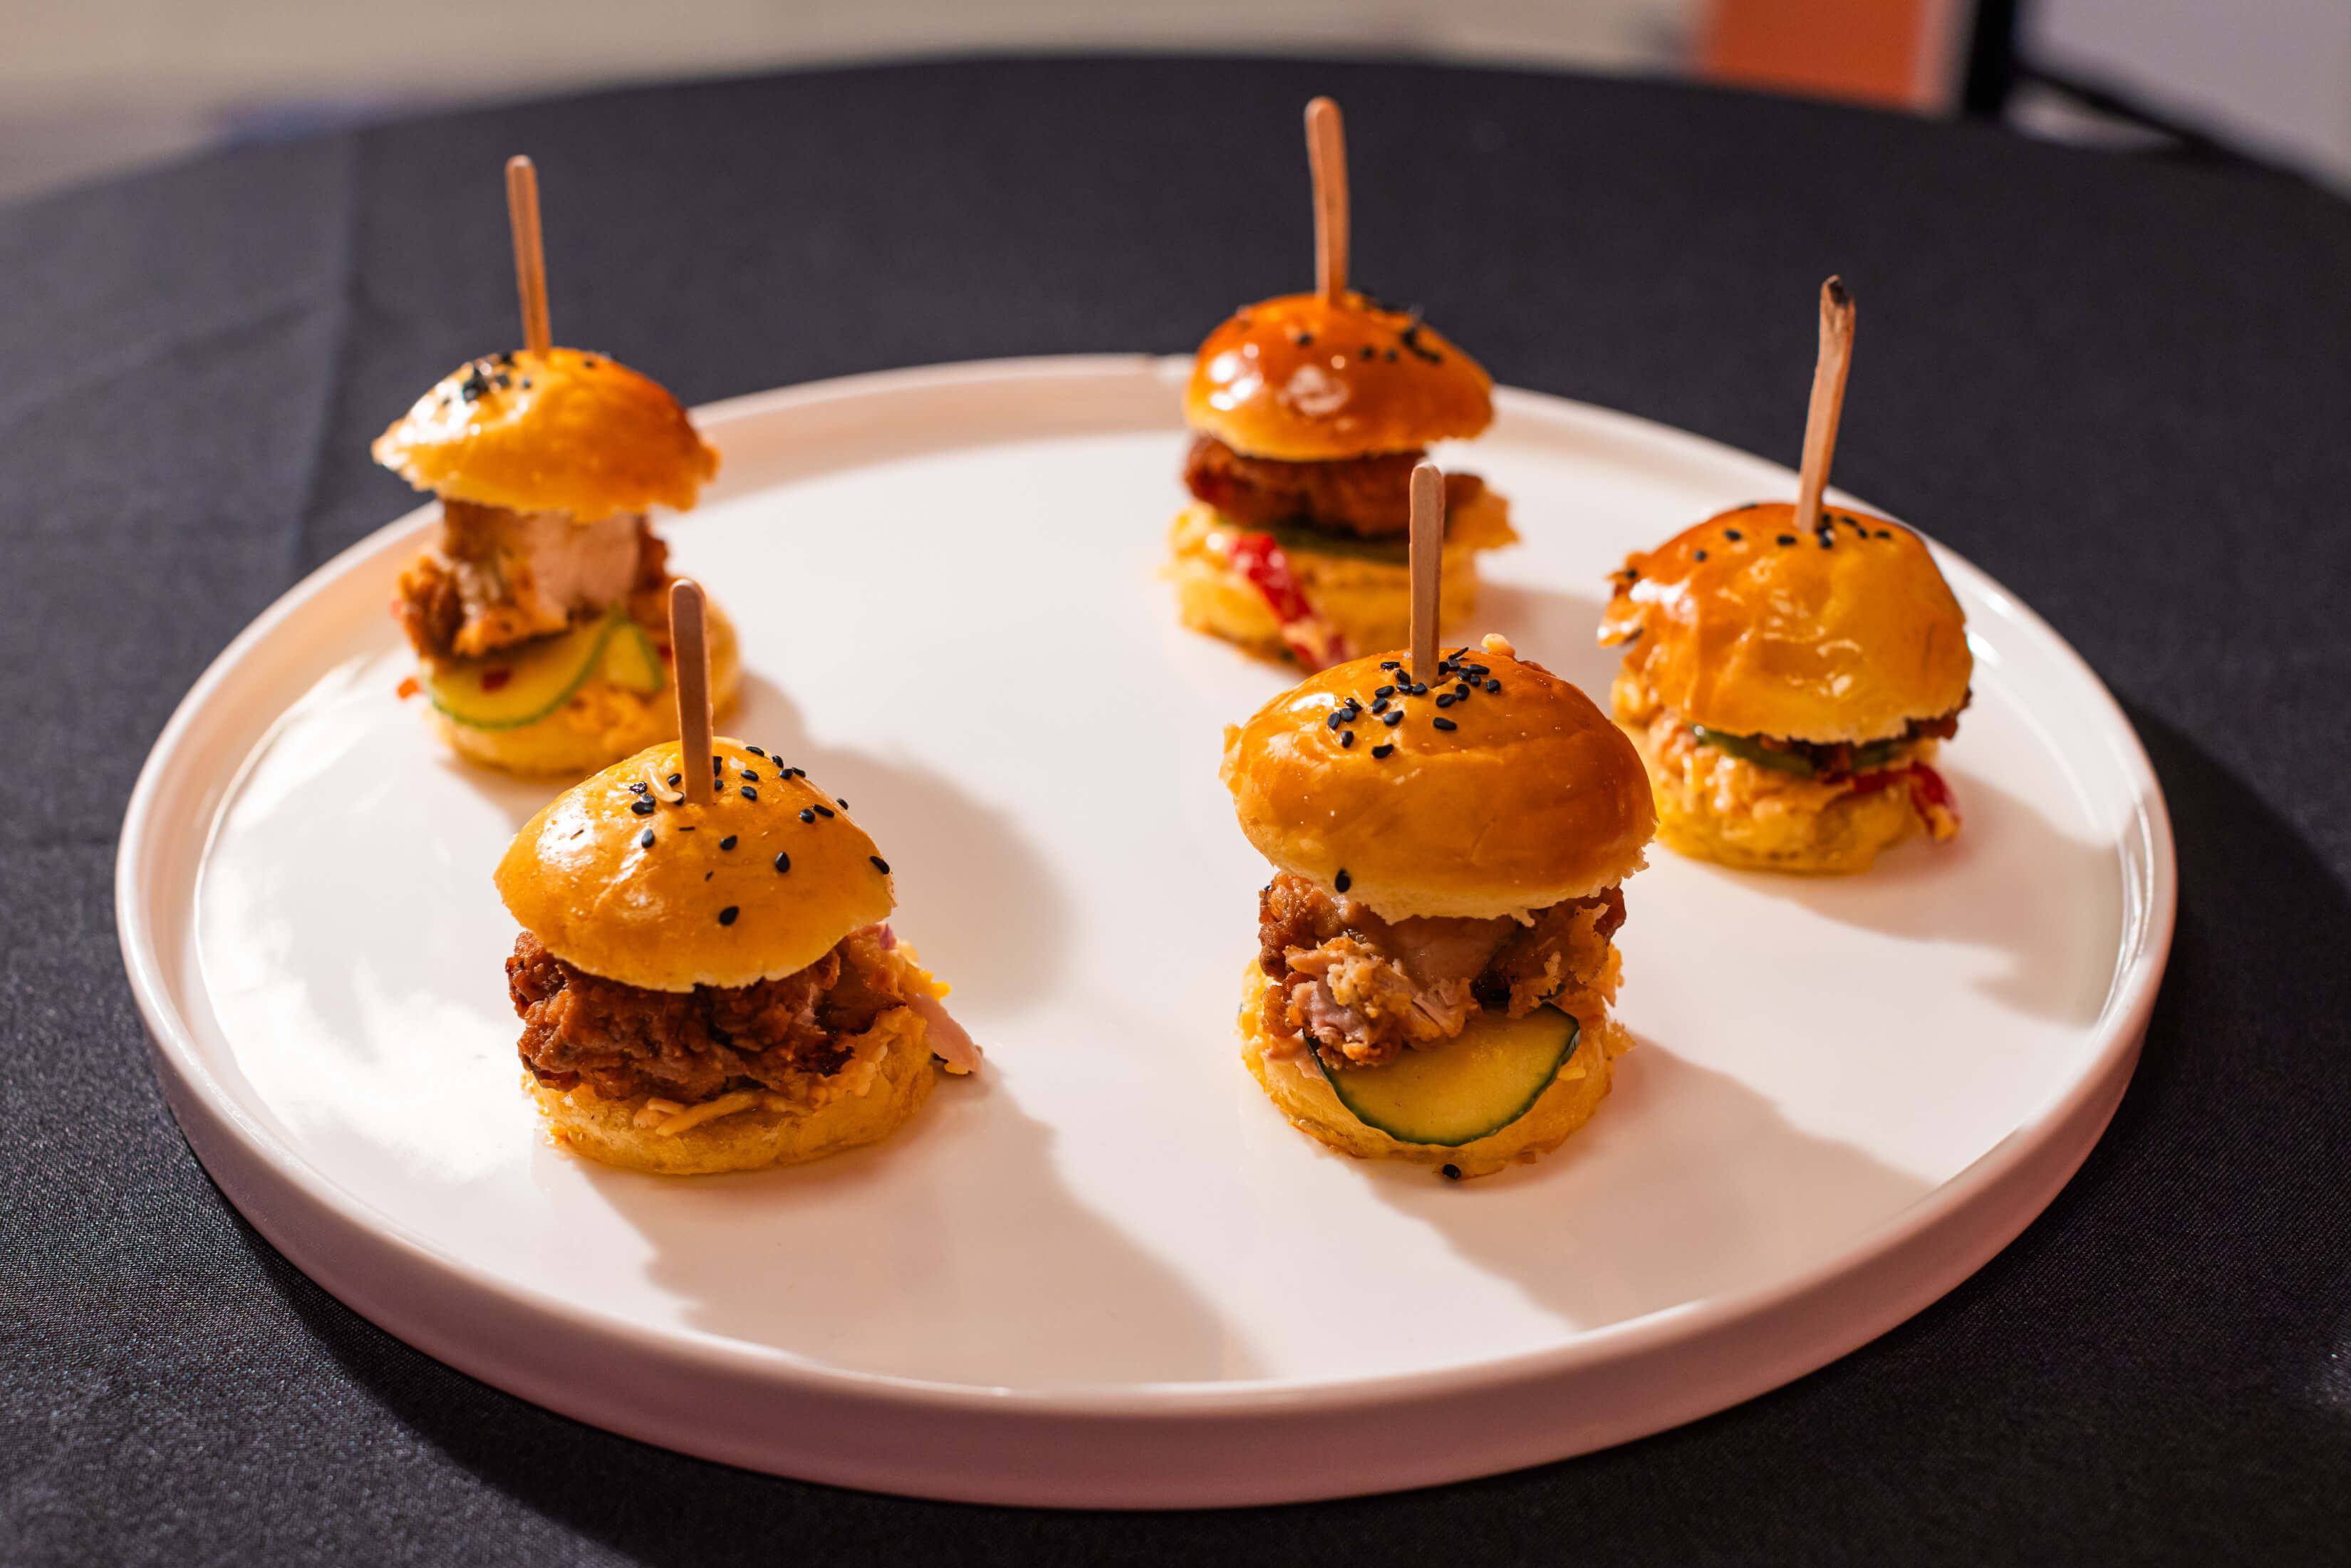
[(1107, 1272)]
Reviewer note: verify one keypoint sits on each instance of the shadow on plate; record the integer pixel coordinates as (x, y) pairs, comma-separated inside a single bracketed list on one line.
[(2013, 884), (1673, 1231), (1552, 628), (974, 897), (838, 1261)]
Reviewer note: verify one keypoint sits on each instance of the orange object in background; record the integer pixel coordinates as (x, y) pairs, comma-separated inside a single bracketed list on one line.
[(1897, 53)]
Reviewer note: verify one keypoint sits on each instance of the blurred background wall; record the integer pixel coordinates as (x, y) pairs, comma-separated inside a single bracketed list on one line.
[(89, 87)]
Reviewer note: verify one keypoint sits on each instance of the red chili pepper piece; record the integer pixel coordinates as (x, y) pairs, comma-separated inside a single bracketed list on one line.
[(1314, 640)]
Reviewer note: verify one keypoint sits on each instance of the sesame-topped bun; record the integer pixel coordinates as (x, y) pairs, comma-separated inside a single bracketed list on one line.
[(1844, 635), (558, 431), (1516, 795), (754, 886), (1301, 379)]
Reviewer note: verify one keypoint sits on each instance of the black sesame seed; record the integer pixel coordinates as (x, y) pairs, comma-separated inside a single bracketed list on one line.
[(750, 777), (1382, 750), (1346, 738), (840, 803), (749, 793), (1827, 538), (807, 816), (1733, 535), (880, 864), (1343, 881), (1883, 535), (1420, 688), (1444, 699), (1391, 719), (727, 916), (685, 830), (1461, 689), (755, 751), (1390, 665), (727, 842), (643, 807), (1452, 1172), (1493, 685), (1336, 719), (673, 779), (1445, 724), (1379, 704), (1700, 556), (824, 810), (646, 839), (783, 861), (639, 787), (1384, 691), (1787, 539)]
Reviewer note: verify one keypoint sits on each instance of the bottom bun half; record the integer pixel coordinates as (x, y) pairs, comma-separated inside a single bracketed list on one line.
[(1297, 1087), (765, 1130), (1839, 836)]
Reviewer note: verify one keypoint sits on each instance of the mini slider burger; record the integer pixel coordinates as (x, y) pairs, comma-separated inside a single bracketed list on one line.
[(1311, 411), (705, 977), (1435, 962), (1789, 671), (537, 613)]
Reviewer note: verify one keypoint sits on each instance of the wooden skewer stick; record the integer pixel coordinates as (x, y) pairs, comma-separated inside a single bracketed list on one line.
[(1828, 401), (1427, 560), (692, 653), (1326, 153), (531, 257)]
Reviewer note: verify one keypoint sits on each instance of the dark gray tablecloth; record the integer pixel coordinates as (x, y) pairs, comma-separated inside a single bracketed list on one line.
[(2123, 388)]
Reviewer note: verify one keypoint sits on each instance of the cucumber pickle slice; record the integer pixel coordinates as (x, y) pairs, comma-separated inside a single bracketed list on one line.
[(521, 685), (1469, 1088)]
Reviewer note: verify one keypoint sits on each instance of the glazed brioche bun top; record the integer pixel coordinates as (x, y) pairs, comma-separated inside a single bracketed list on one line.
[(582, 878), (1846, 640), (1302, 379), (558, 431), (1535, 795)]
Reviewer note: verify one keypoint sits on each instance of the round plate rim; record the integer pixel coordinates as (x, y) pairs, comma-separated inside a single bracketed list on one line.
[(2120, 1027)]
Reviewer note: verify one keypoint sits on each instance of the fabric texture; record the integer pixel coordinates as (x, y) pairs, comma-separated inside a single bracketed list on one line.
[(2121, 386)]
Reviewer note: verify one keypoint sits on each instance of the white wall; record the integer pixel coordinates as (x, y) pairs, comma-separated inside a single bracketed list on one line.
[(2269, 75), (86, 86)]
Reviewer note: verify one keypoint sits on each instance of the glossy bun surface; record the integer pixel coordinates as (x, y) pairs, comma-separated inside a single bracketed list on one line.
[(561, 432), (1301, 379), (1742, 625), (1535, 796), (582, 878)]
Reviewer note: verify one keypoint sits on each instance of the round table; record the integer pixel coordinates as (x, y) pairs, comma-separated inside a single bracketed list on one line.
[(2121, 386)]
